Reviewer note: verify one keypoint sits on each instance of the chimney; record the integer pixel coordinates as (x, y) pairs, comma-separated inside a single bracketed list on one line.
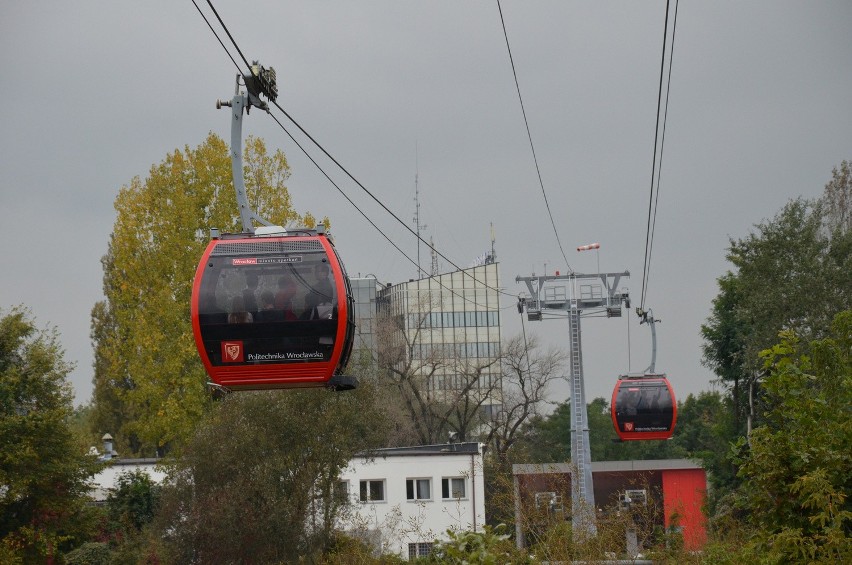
[(109, 452)]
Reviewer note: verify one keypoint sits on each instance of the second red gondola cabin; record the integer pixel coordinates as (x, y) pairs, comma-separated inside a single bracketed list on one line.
[(644, 407)]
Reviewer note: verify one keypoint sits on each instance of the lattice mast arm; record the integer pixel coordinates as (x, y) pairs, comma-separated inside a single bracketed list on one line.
[(572, 302)]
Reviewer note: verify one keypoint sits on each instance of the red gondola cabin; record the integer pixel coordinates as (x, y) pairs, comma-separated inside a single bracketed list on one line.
[(273, 312), (644, 407)]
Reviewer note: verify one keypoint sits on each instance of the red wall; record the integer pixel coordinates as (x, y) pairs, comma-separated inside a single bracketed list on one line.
[(683, 494)]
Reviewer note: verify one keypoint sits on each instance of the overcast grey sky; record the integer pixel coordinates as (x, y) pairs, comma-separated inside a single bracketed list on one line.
[(96, 92)]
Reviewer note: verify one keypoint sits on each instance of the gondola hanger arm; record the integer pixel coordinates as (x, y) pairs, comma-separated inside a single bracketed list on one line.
[(261, 81), (647, 317)]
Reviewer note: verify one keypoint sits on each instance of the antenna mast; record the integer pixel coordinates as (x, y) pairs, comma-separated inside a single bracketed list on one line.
[(493, 257), (417, 225), (434, 271)]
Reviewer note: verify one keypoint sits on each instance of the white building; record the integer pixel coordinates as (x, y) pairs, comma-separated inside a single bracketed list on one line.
[(402, 498), (405, 498), (105, 480)]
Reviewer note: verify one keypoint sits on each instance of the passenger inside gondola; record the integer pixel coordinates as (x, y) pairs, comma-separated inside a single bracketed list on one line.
[(313, 307), (250, 293), (631, 403), (209, 310), (267, 312), (238, 314), (323, 276), (318, 303), (284, 298)]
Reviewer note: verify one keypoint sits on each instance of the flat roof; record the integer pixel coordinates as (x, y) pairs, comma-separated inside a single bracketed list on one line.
[(471, 447), (141, 461), (607, 466)]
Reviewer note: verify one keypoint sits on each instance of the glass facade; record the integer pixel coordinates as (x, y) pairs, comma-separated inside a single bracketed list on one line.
[(451, 324), (455, 319), (365, 291)]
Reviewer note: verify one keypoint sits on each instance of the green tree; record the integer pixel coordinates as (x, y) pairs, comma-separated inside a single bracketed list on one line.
[(132, 503), (787, 278), (790, 273), (90, 553), (705, 426), (797, 472), (257, 481), (837, 199), (149, 384), (124, 535), (725, 334), (43, 469), (548, 439)]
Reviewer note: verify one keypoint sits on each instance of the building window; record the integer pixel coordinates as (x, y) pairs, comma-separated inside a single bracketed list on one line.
[(372, 491), (418, 489), (453, 487), (419, 549), (341, 492), (458, 319), (454, 319), (470, 319), (447, 321)]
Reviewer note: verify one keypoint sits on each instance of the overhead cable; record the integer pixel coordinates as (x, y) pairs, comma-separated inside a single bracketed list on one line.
[(529, 136), (231, 37), (219, 39), (656, 167), (379, 202), (363, 214), (347, 173)]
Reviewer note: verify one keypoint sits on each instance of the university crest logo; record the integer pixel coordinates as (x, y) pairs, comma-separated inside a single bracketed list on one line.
[(232, 352)]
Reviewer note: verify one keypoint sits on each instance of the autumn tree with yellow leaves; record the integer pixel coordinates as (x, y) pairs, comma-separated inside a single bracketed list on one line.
[(149, 384)]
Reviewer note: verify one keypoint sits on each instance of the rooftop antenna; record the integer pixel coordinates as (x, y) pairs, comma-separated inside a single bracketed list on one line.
[(493, 257), (417, 225), (435, 269)]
